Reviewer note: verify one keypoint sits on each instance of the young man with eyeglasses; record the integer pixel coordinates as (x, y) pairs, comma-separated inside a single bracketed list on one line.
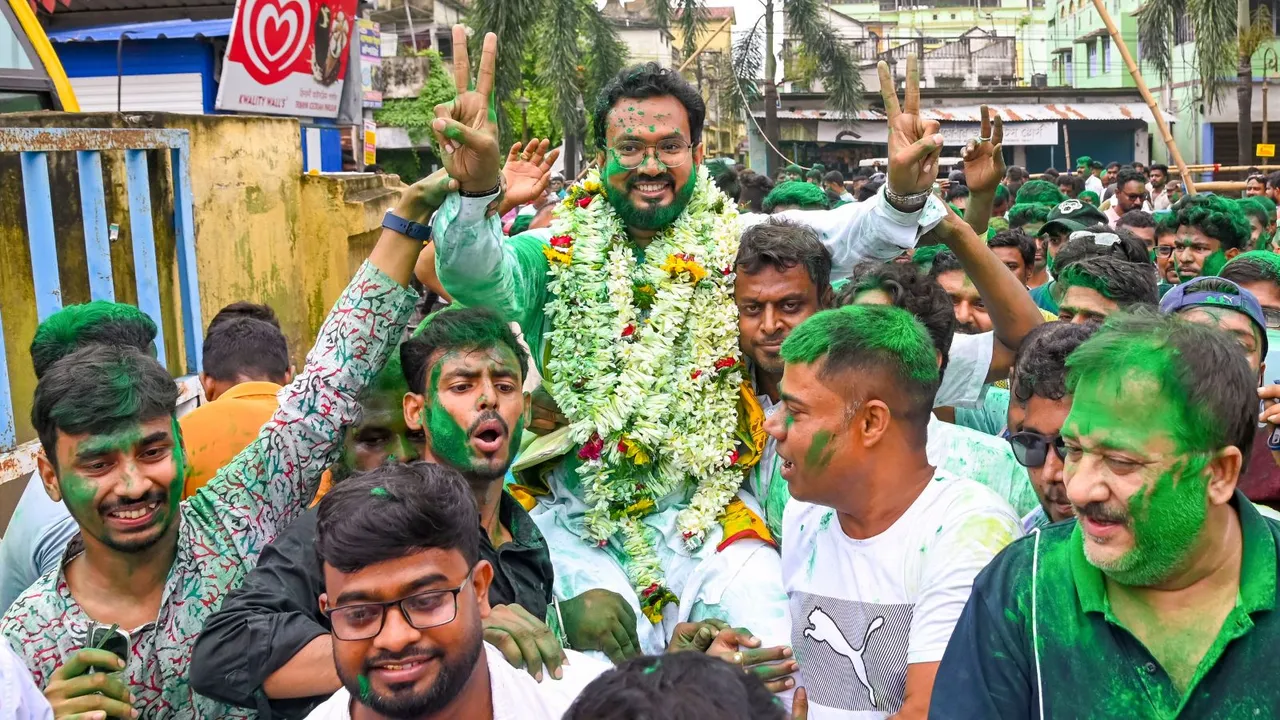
[(406, 594), (1039, 403)]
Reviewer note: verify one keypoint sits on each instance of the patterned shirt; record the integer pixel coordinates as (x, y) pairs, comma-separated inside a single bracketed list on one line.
[(227, 523)]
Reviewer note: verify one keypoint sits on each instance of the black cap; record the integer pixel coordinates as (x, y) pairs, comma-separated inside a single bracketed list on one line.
[(1072, 215)]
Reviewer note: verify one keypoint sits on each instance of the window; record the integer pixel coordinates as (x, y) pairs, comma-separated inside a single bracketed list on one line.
[(1068, 62), (1106, 54), (1092, 58)]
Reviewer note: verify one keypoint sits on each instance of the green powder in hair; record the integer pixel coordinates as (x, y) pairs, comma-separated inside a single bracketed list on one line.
[(380, 492), (892, 333), (923, 256), (74, 326), (1077, 276), (1040, 192), (1265, 261), (1025, 214), (804, 195), (1090, 197), (1217, 217)]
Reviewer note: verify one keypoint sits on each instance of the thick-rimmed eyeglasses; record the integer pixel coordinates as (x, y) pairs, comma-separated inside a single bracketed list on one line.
[(1032, 449), (672, 152), (422, 611), (1272, 318)]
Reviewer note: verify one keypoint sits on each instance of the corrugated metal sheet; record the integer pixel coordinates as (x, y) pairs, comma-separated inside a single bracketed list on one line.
[(174, 92), (1010, 113), (145, 31)]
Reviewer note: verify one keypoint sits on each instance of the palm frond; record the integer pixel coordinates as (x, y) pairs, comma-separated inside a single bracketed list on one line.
[(513, 23), (606, 58), (1258, 33), (660, 11), (561, 56), (1217, 46), (746, 68), (840, 72), (692, 20), (1156, 34)]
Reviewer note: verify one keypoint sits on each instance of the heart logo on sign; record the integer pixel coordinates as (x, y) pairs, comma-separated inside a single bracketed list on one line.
[(275, 34)]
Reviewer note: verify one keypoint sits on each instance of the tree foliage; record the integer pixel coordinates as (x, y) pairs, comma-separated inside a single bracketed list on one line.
[(818, 40), (1218, 41), (574, 51), (415, 114)]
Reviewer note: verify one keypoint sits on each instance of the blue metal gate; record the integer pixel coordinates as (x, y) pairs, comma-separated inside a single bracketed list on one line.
[(35, 145)]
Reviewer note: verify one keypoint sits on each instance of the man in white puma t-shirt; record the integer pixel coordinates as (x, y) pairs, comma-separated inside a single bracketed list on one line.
[(405, 593), (880, 549)]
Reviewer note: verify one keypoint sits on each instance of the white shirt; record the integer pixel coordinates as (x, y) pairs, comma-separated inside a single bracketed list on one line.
[(1094, 183), (516, 695), (865, 609), (965, 379), (20, 699)]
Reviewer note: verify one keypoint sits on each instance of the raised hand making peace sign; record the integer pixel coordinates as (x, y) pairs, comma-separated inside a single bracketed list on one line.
[(467, 128), (983, 159), (914, 143)]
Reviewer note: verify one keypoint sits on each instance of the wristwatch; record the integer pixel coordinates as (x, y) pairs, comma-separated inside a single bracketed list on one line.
[(913, 202), (409, 228)]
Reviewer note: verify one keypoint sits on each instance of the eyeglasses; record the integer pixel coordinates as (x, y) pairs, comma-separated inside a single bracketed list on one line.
[(1032, 449), (672, 152), (1164, 250), (422, 611), (1272, 317)]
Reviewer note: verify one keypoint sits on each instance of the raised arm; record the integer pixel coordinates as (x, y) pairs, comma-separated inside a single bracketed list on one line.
[(1013, 312), (983, 169), (270, 482), (475, 264), (891, 222)]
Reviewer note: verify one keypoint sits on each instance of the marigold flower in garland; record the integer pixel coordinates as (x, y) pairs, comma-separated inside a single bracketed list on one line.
[(557, 256), (680, 263)]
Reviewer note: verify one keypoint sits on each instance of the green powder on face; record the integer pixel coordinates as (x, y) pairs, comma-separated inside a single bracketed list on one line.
[(650, 218), (820, 453), (1168, 518), (179, 469), (449, 441), (364, 687), (1214, 263)]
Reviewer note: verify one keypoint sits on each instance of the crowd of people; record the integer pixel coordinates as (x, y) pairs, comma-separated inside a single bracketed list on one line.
[(658, 444)]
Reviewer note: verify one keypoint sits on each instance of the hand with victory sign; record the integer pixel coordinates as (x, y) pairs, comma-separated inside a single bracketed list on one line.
[(466, 128), (983, 157), (914, 143)]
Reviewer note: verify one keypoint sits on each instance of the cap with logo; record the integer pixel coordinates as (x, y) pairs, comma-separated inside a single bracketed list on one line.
[(1072, 216), (1188, 295)]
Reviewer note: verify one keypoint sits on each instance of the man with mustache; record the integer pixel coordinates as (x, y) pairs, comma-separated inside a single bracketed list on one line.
[(1039, 403), (627, 302), (1159, 599), (465, 373)]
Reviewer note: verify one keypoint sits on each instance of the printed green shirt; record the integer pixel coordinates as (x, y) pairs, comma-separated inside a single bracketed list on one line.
[(1053, 639), (225, 525)]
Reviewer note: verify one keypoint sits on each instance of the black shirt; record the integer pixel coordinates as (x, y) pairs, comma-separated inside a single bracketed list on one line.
[(1088, 667), (276, 612)]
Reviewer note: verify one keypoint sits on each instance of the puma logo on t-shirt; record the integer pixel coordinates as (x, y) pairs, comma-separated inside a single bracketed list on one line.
[(824, 630)]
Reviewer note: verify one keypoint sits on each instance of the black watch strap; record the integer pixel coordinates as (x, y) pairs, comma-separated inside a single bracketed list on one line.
[(409, 228)]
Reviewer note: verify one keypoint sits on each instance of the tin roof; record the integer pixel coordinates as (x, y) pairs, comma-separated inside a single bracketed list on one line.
[(1019, 112)]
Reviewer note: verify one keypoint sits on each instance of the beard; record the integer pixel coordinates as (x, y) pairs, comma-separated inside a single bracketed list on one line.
[(166, 514), (653, 217), (455, 672), (968, 329)]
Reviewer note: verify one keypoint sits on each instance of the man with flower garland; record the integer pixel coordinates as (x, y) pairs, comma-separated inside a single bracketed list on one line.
[(628, 304)]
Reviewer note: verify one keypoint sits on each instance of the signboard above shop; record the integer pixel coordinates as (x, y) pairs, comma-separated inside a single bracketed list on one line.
[(287, 57), (955, 133)]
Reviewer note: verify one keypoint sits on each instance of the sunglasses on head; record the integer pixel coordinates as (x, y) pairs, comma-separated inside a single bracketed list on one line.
[(1031, 449)]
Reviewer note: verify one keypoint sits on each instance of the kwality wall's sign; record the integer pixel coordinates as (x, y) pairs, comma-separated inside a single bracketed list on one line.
[(287, 57)]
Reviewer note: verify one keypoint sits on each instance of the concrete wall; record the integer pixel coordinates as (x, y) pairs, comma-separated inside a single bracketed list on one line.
[(264, 231)]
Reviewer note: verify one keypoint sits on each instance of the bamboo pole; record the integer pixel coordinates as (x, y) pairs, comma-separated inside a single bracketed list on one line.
[(1066, 141), (1146, 95), (707, 42)]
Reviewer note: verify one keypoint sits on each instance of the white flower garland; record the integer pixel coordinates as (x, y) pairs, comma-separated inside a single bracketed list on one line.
[(653, 400)]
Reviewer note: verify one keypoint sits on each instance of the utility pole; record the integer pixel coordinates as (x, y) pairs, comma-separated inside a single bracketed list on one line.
[(772, 131)]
